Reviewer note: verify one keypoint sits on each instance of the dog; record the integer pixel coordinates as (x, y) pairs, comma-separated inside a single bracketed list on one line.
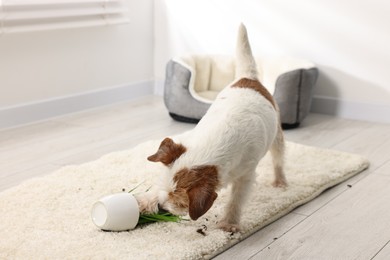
[(224, 148)]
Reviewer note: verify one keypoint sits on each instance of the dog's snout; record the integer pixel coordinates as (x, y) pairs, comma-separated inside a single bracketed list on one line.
[(161, 209)]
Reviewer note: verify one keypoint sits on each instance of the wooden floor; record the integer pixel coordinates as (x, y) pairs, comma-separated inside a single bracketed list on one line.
[(349, 221)]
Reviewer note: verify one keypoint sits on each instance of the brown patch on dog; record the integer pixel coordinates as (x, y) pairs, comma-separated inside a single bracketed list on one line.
[(257, 86), (168, 152), (199, 183), (179, 198)]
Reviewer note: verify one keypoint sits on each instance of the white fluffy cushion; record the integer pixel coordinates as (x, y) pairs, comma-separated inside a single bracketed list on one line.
[(211, 73)]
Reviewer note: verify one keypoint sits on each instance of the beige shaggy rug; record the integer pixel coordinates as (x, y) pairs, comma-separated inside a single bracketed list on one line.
[(49, 217)]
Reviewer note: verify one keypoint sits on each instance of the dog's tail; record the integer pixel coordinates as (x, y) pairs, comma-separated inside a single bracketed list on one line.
[(245, 63)]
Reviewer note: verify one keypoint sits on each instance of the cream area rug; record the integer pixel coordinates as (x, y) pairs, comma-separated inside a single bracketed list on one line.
[(49, 217)]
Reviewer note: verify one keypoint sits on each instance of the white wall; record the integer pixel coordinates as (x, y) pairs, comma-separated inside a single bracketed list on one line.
[(348, 40), (48, 65)]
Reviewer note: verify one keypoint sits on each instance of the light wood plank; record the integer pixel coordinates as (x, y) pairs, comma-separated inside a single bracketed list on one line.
[(385, 168), (358, 143), (373, 143), (324, 131), (14, 138), (330, 194), (261, 239), (355, 225), (154, 133), (46, 151), (384, 254)]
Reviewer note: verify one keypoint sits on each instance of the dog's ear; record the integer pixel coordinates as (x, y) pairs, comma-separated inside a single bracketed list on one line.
[(168, 152), (201, 200), (202, 193)]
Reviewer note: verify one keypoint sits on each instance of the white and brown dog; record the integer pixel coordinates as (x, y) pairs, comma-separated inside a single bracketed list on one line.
[(224, 148)]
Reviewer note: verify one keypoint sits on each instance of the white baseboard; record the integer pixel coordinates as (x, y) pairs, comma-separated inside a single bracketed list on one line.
[(36, 111), (351, 109), (159, 87)]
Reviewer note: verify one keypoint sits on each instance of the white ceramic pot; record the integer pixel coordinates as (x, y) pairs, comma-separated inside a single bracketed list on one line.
[(116, 212)]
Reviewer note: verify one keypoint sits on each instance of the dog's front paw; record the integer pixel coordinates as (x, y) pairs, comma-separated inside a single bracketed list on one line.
[(147, 203), (280, 183), (228, 227)]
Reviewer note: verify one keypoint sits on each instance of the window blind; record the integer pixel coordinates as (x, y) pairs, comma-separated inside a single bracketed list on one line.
[(37, 15)]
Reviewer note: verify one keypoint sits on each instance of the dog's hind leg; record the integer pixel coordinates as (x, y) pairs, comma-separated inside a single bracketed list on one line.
[(277, 153)]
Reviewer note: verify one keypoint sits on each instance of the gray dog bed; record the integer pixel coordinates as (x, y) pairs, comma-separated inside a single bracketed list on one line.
[(193, 82)]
